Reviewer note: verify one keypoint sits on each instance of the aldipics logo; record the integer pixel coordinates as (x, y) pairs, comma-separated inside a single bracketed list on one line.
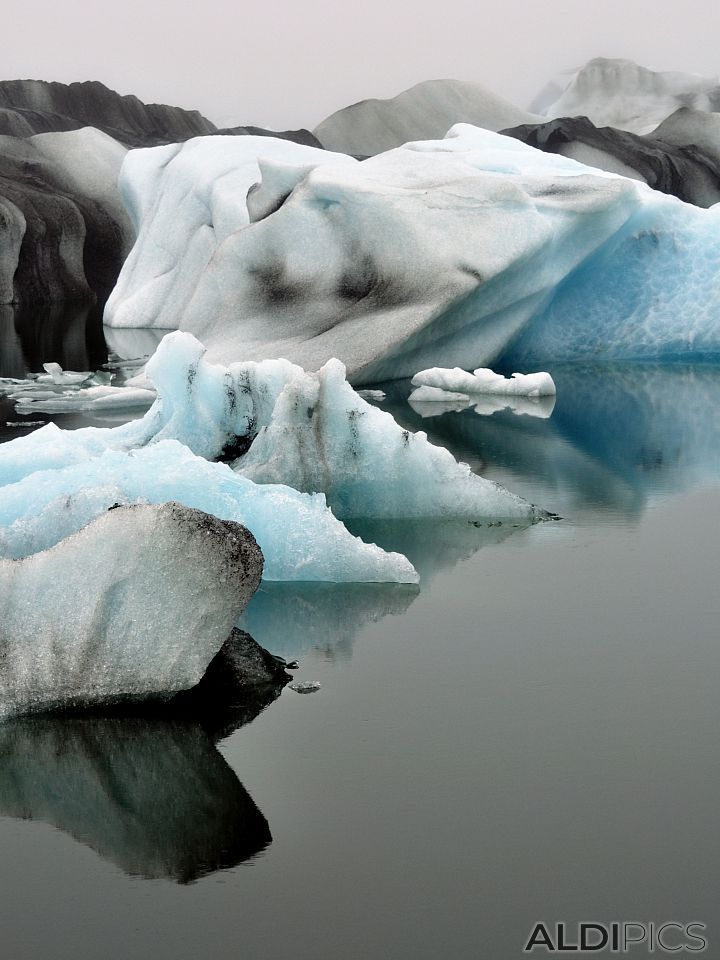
[(618, 937)]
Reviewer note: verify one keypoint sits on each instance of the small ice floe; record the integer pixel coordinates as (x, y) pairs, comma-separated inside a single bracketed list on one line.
[(483, 380), (305, 686), (371, 394), (25, 423), (87, 400), (69, 391)]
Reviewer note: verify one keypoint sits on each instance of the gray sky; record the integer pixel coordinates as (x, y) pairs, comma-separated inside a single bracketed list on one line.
[(284, 64)]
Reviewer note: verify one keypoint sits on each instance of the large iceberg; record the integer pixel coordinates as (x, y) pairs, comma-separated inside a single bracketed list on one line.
[(438, 253), (76, 620)]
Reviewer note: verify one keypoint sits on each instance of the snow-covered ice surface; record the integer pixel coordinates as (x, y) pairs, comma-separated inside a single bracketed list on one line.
[(484, 381), (621, 93), (438, 253), (185, 200), (135, 604)]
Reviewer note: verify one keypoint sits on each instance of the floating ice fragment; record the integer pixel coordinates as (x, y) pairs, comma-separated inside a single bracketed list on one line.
[(134, 605), (305, 686), (482, 380)]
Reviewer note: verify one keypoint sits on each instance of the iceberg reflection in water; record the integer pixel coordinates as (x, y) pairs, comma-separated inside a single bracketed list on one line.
[(153, 796)]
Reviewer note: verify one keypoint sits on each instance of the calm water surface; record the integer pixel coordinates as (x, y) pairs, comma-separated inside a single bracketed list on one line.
[(531, 736)]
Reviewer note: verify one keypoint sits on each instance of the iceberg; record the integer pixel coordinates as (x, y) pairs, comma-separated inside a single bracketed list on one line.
[(134, 605), (299, 536), (277, 424), (449, 252), (323, 436), (482, 380), (186, 200)]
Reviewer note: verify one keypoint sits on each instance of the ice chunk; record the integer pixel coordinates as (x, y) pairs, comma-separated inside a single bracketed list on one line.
[(482, 380), (299, 536), (136, 604), (305, 686), (323, 436), (89, 400)]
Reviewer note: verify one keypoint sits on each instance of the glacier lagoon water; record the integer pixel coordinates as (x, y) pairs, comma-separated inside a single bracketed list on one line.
[(531, 737)]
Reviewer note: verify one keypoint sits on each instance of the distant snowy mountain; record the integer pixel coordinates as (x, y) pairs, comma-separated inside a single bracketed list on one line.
[(424, 112), (622, 94)]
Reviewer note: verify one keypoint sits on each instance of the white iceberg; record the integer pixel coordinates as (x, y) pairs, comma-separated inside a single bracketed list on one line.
[(482, 380), (134, 605), (186, 200), (323, 436), (453, 252)]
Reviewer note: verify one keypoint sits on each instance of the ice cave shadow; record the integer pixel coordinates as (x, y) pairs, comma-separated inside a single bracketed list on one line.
[(142, 784)]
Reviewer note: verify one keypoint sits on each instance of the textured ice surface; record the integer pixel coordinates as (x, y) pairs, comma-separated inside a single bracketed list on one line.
[(424, 112), (299, 536), (484, 380), (323, 436), (436, 253), (135, 604), (309, 431), (186, 200), (620, 93)]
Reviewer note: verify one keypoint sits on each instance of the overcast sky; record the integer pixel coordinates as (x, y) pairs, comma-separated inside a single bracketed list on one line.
[(288, 64)]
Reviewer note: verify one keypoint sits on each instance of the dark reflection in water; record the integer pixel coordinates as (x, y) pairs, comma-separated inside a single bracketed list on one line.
[(617, 434), (70, 334), (153, 796)]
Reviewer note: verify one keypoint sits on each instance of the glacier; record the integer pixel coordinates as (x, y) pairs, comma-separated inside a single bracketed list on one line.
[(75, 619), (453, 252)]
